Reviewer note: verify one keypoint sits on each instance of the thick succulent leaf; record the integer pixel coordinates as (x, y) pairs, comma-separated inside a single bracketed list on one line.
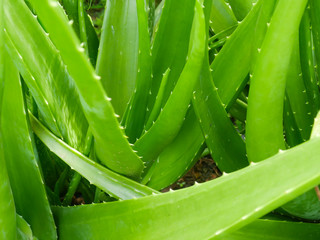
[(179, 156), (275, 230), (158, 102), (307, 58), (7, 208), (221, 17), (296, 92), (111, 146), (170, 45), (2, 51), (22, 162), (171, 118), (114, 184), (118, 52), (24, 231), (45, 74), (306, 206), (224, 142), (290, 127), (83, 23), (182, 153), (315, 22), (136, 110), (241, 7), (228, 75), (251, 188), (261, 27), (265, 103)]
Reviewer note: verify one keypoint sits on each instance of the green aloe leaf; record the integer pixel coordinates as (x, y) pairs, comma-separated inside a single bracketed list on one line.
[(22, 161), (300, 104), (110, 142), (180, 155), (228, 75), (224, 142), (261, 27), (83, 23), (265, 106), (137, 109), (114, 184), (315, 22), (171, 118), (44, 73), (215, 216), (290, 127), (23, 229), (307, 59), (170, 45), (158, 101), (275, 230), (226, 145), (241, 7), (118, 52), (221, 17), (306, 206), (7, 208)]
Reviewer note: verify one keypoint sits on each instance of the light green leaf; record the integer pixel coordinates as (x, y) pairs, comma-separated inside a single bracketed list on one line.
[(23, 229), (118, 52), (221, 17), (275, 230), (111, 146), (45, 75), (241, 7), (224, 142), (207, 209), (114, 184), (170, 45), (137, 108), (265, 103), (170, 120), (228, 75), (180, 155), (22, 161)]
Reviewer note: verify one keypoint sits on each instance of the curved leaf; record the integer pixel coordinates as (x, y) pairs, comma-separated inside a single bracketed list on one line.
[(275, 230), (118, 52), (228, 75), (207, 209), (221, 17), (45, 75), (7, 209), (170, 45), (265, 103), (170, 120), (23, 164), (114, 184), (137, 108), (111, 146)]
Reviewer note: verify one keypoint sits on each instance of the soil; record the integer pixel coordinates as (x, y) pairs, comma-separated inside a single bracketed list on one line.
[(204, 170)]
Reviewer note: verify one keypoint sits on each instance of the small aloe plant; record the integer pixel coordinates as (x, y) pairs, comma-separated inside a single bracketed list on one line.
[(120, 118)]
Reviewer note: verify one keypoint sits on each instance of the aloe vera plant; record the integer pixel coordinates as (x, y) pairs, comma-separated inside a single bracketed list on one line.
[(117, 119)]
